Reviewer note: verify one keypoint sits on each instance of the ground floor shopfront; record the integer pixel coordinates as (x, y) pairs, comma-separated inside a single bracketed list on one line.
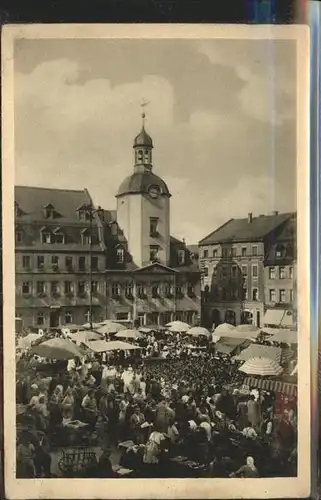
[(213, 314)]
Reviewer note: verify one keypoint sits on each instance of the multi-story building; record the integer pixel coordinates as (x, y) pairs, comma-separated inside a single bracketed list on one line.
[(232, 261), (75, 262), (280, 278)]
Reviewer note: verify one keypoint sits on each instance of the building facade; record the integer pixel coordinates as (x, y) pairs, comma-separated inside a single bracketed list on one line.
[(233, 263), (76, 263)]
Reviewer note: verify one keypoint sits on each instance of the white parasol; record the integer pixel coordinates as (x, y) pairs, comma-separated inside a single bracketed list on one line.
[(261, 366)]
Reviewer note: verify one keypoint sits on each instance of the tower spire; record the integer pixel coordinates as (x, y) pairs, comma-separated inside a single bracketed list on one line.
[(143, 105)]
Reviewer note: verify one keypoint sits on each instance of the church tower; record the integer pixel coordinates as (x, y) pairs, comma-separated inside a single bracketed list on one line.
[(143, 207)]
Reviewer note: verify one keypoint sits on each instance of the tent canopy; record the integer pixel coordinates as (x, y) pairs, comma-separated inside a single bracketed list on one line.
[(129, 334), (84, 336), (197, 331), (57, 348), (285, 336), (223, 328), (263, 351), (110, 327), (178, 326), (278, 317)]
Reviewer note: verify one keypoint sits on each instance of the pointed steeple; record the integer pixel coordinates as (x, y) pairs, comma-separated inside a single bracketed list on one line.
[(143, 145)]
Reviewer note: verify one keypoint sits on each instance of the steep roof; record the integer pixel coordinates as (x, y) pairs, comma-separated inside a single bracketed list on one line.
[(32, 200), (243, 230), (140, 182)]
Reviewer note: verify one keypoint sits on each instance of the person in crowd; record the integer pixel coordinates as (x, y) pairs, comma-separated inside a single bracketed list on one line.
[(253, 412), (248, 470), (285, 433), (136, 421), (67, 405), (42, 457), (25, 458), (89, 406)]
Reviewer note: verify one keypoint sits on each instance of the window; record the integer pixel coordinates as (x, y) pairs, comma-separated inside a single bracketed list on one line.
[(255, 294), (181, 257), (141, 290), (85, 238), (234, 252), (234, 271), (166, 317), (291, 295), (81, 288), (282, 295), (168, 292), (120, 255), (19, 236), (244, 270), (155, 291), (179, 316), (291, 273), (40, 287), (46, 237), (81, 263), (179, 291), (190, 317), (282, 273), (68, 318), (122, 316), (243, 251), (26, 287), (48, 211), (115, 290), (254, 271), (279, 251), (153, 318), (40, 261), (59, 238), (54, 288), (141, 319), (272, 295), (153, 253), (26, 261), (190, 290), (254, 250), (94, 286), (205, 254), (215, 253), (205, 271), (244, 294), (140, 155), (153, 226), (55, 262), (129, 289), (68, 261), (67, 287), (40, 319), (271, 273), (224, 271), (94, 263)]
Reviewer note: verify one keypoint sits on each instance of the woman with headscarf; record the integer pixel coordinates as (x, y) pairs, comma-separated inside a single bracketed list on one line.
[(67, 405), (248, 470)]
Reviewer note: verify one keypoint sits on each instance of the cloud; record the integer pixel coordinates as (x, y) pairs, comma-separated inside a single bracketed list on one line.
[(76, 132)]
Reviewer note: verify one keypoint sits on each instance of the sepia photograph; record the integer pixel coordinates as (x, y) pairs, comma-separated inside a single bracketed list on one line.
[(156, 260)]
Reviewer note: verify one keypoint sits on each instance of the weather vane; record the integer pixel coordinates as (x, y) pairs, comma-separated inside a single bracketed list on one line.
[(143, 105)]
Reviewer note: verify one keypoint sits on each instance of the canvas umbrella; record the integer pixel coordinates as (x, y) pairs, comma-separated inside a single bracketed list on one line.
[(152, 328), (110, 328), (112, 345), (94, 325), (285, 336), (129, 334), (198, 331), (224, 328), (247, 328), (264, 367), (84, 336), (57, 348), (25, 342), (178, 326)]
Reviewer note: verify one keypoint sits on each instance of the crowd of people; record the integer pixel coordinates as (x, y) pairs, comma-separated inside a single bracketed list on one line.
[(159, 409)]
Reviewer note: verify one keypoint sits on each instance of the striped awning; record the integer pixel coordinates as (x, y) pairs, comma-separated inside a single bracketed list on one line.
[(258, 350), (271, 385)]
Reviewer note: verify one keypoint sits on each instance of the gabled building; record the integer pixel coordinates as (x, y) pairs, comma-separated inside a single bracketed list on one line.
[(76, 262), (233, 261)]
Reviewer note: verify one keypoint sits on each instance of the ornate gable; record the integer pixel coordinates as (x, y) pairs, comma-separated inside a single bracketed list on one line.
[(155, 268)]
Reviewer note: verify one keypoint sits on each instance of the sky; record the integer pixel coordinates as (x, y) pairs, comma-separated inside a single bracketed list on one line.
[(222, 115)]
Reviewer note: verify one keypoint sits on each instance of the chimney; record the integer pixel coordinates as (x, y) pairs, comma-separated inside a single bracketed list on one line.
[(249, 218), (275, 212)]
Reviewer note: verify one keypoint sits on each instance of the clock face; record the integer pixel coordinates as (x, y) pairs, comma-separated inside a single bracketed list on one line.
[(154, 191)]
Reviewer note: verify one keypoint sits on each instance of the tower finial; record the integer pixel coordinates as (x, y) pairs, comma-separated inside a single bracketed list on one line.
[(143, 104)]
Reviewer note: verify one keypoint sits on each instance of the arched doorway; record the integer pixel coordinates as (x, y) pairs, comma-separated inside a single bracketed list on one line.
[(230, 317)]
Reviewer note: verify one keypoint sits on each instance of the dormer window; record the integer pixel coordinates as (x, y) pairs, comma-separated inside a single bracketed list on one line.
[(181, 257), (83, 213), (85, 237), (280, 251), (49, 211), (120, 255), (58, 236), (46, 236)]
